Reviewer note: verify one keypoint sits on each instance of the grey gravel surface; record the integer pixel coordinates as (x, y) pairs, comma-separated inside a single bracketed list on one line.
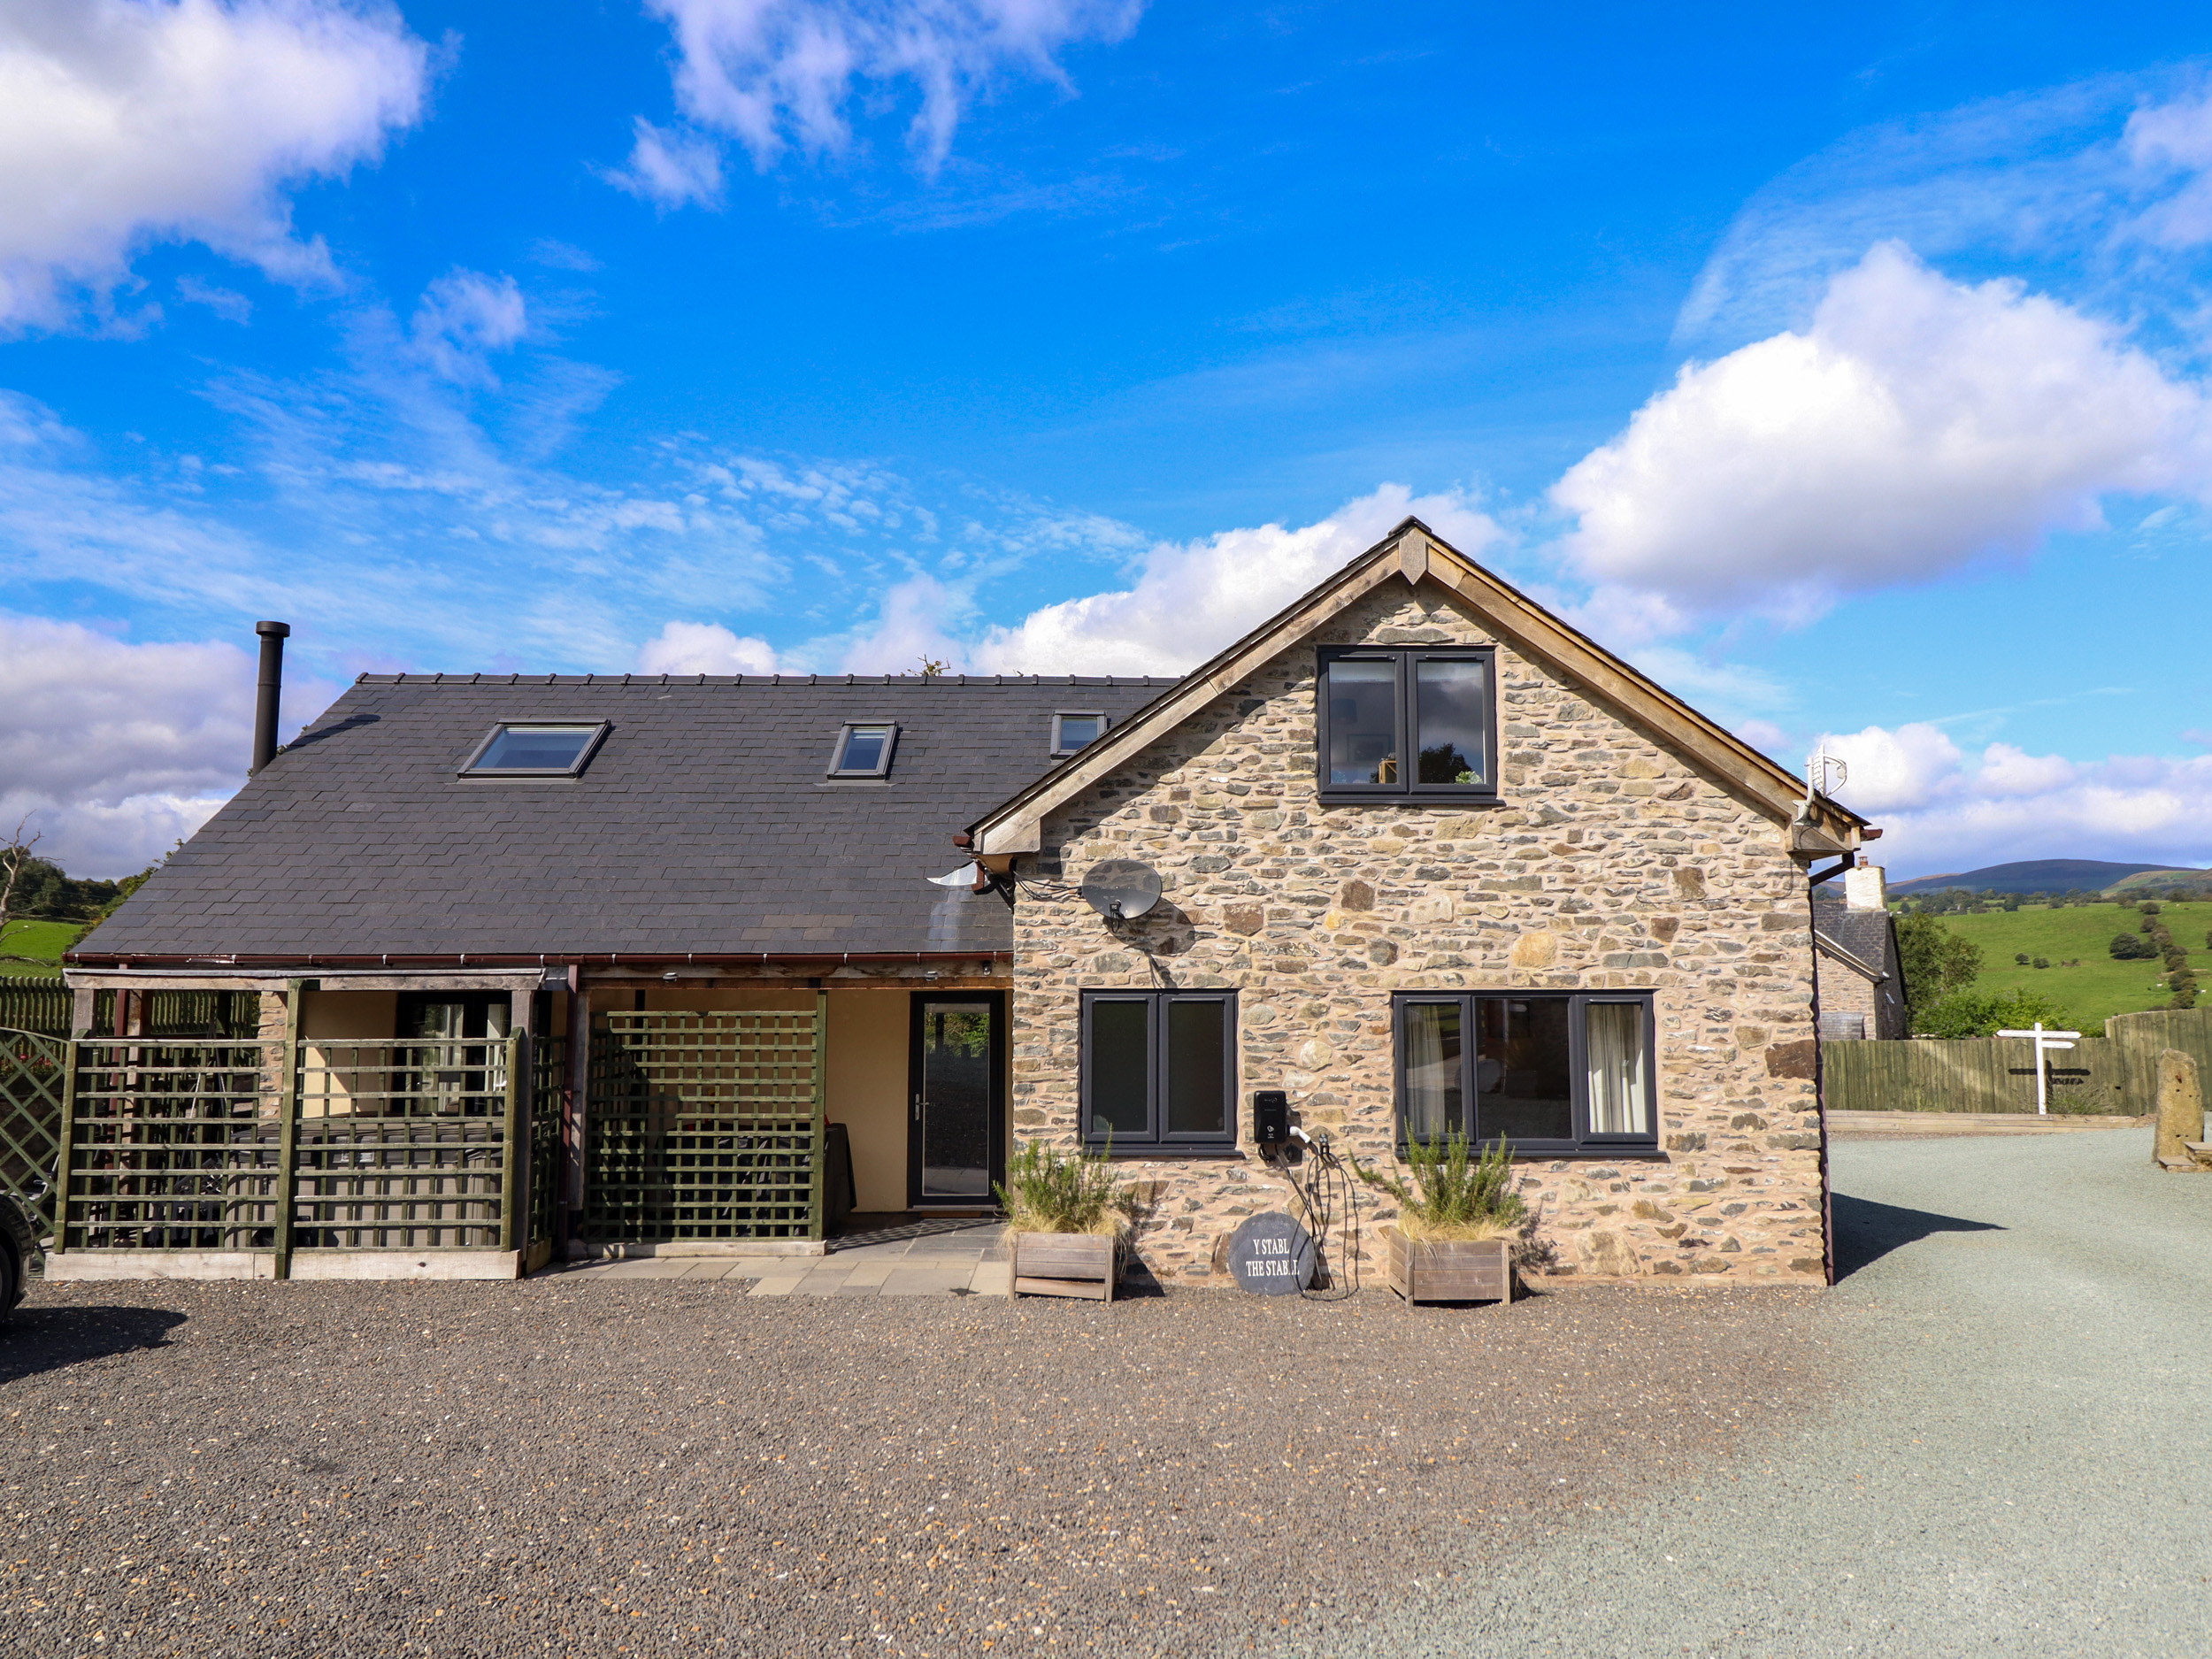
[(1989, 1438), (2015, 1460), (660, 1468)]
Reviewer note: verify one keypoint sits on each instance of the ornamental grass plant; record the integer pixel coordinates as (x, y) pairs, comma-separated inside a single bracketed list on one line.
[(1455, 1195), (1047, 1190)]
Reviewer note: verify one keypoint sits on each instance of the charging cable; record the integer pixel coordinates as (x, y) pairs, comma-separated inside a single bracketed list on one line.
[(1326, 1184)]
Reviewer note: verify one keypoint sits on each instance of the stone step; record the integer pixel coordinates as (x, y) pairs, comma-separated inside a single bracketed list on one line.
[(2183, 1164)]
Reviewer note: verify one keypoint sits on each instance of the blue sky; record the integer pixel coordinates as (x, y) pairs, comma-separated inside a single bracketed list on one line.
[(1849, 372)]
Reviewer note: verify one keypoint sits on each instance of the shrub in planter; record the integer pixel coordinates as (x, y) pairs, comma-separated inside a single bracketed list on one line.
[(1457, 1224), (1066, 1216)]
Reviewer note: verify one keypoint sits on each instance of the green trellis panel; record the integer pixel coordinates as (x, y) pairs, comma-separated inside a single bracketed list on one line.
[(704, 1125), (34, 1080), (406, 1145), (392, 1145), (175, 1147)]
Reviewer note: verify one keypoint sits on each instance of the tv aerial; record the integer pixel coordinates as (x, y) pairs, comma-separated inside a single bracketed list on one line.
[(1121, 889)]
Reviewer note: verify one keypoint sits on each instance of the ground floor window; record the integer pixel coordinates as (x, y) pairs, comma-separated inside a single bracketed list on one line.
[(1159, 1072), (1549, 1072)]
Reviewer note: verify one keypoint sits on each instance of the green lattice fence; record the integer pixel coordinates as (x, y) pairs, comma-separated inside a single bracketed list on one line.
[(408, 1145), (706, 1127), (175, 1147), (295, 1147), (548, 1080), (34, 1080)]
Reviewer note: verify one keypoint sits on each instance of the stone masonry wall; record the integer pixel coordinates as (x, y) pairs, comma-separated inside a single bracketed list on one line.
[(1612, 865)]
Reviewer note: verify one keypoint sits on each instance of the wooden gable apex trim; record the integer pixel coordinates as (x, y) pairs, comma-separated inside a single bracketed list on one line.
[(1412, 551)]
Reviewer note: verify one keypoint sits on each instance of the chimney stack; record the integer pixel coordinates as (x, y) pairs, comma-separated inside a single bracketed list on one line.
[(270, 692), (1864, 888)]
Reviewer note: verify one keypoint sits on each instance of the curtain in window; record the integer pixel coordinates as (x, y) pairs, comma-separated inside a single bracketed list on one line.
[(1432, 1060), (1613, 1039)]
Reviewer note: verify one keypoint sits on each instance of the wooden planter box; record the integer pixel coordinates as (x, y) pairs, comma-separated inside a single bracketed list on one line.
[(1438, 1270), (1065, 1264)]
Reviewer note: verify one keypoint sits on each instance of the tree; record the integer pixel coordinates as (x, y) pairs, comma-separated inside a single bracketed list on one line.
[(14, 858), (1936, 961), (2020, 956), (1984, 1013), (2130, 948)]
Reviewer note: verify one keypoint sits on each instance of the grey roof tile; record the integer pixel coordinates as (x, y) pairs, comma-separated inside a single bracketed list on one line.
[(702, 825)]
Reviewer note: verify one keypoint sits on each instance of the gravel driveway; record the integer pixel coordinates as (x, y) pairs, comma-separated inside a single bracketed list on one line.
[(2014, 1461), (1989, 1438)]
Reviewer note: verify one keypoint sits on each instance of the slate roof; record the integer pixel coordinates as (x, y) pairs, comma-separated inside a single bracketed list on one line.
[(1864, 933), (704, 824)]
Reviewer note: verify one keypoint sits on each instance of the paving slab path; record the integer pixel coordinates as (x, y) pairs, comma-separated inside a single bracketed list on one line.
[(2018, 1461)]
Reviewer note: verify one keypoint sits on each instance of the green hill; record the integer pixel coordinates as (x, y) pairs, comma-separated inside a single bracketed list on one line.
[(41, 940), (2101, 987)]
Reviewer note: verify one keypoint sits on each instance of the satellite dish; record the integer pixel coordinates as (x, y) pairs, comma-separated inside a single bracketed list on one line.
[(1121, 889)]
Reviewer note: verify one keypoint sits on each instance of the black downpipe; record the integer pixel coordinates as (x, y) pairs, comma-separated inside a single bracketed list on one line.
[(270, 693)]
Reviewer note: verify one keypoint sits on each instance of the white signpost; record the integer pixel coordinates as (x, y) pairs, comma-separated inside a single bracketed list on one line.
[(2045, 1042)]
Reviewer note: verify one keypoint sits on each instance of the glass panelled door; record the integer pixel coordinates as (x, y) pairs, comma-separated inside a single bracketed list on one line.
[(956, 1115)]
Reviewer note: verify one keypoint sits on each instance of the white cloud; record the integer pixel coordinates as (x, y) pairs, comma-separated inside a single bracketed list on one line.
[(116, 750), (2174, 142), (670, 169), (1193, 598), (462, 319), (1915, 425), (705, 648), (124, 122), (776, 73), (2008, 771), (1941, 812), (1889, 770), (915, 624)]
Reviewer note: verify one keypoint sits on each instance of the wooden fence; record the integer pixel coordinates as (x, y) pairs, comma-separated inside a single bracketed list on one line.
[(2112, 1074), (284, 1157), (706, 1127)]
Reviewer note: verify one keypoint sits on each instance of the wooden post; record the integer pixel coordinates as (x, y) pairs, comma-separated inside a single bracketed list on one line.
[(517, 1149), (819, 1140), (81, 1005), (72, 1058), (288, 1129), (575, 1109)]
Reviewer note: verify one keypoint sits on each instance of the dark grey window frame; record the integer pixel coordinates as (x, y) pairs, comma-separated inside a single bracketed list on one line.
[(1585, 1144), (1155, 1144), (1407, 789), (575, 769), (1060, 750), (882, 768)]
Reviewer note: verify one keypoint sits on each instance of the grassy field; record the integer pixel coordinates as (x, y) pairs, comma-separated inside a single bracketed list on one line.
[(2101, 987), (38, 939)]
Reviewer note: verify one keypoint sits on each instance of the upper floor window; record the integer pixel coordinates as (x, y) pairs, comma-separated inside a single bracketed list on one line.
[(1552, 1073), (1071, 732), (864, 751), (516, 749), (1402, 722)]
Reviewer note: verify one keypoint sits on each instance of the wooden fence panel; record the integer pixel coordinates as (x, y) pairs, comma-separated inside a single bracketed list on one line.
[(706, 1127), (2115, 1074)]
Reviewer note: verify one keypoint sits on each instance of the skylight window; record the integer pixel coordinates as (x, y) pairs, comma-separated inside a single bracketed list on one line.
[(518, 751), (1072, 732), (864, 751)]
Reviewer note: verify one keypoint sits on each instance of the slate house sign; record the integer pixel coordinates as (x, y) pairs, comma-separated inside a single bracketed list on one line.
[(1271, 1255)]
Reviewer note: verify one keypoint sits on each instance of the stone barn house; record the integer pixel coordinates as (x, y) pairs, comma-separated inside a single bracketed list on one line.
[(710, 959)]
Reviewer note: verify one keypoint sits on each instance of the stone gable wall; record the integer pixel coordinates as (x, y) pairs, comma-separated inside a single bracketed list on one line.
[(1612, 866)]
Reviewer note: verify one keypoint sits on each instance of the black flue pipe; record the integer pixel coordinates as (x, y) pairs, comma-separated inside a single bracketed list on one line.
[(270, 692)]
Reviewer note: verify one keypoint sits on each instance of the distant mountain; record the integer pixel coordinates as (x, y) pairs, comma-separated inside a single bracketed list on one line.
[(2035, 875)]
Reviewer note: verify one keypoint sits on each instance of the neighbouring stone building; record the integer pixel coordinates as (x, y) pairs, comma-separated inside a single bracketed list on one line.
[(1626, 855), (1862, 976)]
